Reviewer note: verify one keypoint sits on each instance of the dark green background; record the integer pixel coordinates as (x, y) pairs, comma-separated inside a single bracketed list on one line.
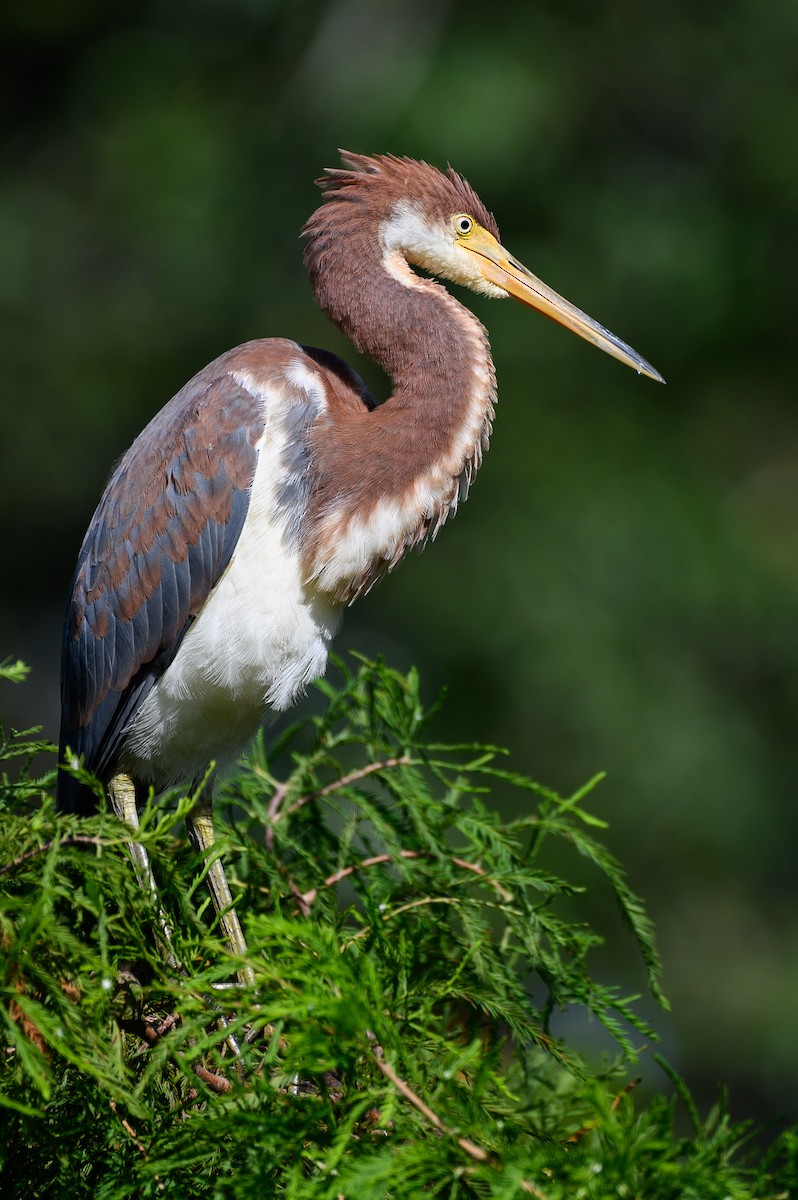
[(621, 591)]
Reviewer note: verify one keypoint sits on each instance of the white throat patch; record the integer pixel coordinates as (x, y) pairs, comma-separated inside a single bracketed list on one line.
[(407, 236)]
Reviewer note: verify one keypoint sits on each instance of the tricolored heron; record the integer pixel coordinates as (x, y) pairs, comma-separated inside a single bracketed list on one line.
[(271, 491)]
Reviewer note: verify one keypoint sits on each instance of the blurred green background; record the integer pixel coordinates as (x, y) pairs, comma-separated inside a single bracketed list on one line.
[(620, 592)]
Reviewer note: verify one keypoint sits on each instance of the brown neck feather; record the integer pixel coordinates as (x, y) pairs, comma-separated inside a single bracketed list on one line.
[(420, 449)]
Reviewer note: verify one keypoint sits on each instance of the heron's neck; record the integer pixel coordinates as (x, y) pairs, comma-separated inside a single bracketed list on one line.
[(389, 479)]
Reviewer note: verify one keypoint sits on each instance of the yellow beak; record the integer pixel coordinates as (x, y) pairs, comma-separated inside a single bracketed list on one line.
[(501, 269)]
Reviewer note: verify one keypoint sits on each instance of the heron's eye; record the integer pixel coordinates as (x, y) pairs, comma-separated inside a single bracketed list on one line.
[(463, 224)]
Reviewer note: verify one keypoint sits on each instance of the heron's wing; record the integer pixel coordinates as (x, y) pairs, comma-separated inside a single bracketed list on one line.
[(162, 534)]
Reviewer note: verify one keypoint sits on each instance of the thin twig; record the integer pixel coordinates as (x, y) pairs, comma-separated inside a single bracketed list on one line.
[(154, 1032), (276, 812), (306, 899), (374, 861), (388, 916), (630, 1087), (419, 903), (76, 839), (273, 812), (128, 1128), (471, 1148), (578, 1134), (404, 1089), (217, 1083), (501, 891)]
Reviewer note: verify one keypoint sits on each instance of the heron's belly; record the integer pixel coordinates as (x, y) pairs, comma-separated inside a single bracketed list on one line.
[(243, 658)]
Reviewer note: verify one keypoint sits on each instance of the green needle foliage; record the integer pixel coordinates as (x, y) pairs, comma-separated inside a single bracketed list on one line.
[(412, 954)]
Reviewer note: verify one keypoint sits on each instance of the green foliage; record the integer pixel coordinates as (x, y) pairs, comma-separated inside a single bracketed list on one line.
[(411, 952), (621, 588)]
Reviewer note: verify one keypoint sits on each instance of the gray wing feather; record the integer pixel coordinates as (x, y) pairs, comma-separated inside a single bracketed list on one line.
[(164, 531)]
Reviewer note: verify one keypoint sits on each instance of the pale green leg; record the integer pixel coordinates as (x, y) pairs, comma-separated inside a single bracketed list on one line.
[(122, 794), (200, 829)]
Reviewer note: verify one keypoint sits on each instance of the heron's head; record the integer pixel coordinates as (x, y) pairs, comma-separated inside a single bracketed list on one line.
[(435, 220)]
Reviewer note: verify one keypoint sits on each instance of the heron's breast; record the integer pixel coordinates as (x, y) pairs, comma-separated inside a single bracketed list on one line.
[(260, 638)]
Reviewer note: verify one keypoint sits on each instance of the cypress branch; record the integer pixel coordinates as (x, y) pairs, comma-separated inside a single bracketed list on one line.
[(412, 953)]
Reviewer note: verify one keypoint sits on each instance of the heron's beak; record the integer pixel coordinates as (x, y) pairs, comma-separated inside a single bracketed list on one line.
[(501, 269)]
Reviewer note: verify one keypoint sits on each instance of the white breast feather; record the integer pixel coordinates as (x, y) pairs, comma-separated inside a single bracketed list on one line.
[(260, 639)]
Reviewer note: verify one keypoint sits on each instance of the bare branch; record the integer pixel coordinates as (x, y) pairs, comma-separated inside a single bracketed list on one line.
[(76, 839), (578, 1134), (273, 812), (128, 1128), (306, 899), (404, 1089), (276, 812), (217, 1083)]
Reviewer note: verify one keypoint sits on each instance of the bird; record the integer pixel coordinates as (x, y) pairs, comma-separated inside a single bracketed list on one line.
[(272, 491)]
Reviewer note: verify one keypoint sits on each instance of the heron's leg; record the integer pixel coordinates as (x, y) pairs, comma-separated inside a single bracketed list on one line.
[(200, 829), (122, 794)]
